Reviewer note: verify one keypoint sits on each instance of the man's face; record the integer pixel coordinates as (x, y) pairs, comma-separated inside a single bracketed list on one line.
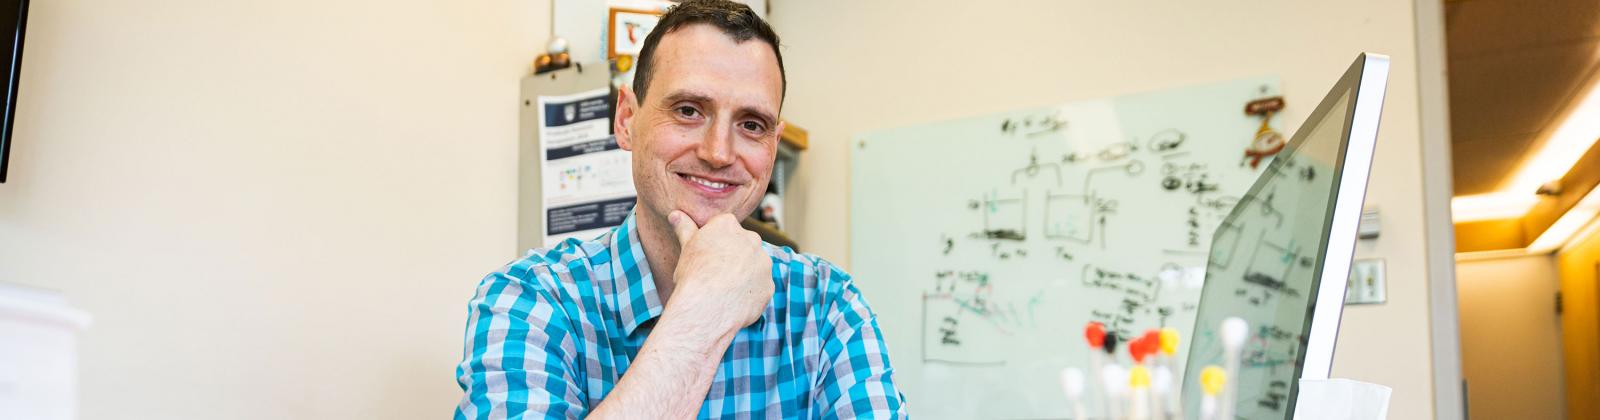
[(704, 140)]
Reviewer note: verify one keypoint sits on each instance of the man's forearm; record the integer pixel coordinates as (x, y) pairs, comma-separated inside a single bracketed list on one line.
[(670, 377)]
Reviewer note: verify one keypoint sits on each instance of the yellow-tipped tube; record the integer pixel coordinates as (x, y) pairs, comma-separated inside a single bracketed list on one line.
[(1212, 378), (1169, 341), (1138, 377), (1139, 382)]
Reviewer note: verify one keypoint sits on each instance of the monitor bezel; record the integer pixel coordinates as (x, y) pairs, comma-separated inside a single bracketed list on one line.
[(1367, 79)]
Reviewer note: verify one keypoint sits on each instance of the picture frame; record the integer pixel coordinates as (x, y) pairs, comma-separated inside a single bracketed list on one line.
[(626, 29)]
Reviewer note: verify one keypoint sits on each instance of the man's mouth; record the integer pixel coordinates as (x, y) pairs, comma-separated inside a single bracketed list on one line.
[(709, 185)]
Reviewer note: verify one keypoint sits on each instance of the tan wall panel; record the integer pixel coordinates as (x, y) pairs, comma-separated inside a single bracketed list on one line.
[(1580, 327), (1489, 235), (1502, 301)]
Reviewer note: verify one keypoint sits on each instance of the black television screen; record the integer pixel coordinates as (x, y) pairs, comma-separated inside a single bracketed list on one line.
[(13, 23)]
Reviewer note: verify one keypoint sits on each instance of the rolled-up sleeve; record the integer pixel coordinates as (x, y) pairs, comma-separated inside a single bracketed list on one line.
[(856, 379), (517, 352)]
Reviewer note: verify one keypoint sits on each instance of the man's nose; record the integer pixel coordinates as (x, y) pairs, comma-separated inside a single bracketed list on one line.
[(717, 147)]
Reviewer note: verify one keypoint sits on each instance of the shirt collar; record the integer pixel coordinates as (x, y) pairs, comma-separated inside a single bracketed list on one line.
[(630, 271)]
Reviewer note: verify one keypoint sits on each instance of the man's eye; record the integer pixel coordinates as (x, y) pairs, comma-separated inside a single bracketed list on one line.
[(688, 111), (753, 126)]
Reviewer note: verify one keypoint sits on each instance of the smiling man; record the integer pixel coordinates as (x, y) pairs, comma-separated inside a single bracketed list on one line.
[(679, 312)]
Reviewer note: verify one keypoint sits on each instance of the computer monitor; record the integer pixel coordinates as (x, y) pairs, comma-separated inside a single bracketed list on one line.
[(13, 25), (1281, 258)]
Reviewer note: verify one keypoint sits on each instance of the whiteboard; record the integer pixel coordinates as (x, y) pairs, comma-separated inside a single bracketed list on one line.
[(985, 245)]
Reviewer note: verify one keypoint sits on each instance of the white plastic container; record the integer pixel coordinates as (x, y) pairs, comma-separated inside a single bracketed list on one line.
[(38, 355)]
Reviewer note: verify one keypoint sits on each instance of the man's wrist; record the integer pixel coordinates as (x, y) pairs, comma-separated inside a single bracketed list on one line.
[(700, 327)]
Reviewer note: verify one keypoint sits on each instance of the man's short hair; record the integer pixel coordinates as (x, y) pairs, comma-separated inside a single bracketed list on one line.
[(734, 19)]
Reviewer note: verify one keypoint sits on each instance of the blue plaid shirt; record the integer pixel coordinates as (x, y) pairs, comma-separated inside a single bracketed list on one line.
[(551, 334)]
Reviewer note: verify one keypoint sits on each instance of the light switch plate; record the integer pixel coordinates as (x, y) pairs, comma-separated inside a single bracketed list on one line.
[(1369, 226), (1367, 284)]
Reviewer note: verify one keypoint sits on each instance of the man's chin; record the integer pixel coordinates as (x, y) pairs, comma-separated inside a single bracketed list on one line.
[(701, 215)]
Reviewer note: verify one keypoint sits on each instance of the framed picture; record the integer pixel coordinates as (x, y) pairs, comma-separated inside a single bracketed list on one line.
[(627, 29)]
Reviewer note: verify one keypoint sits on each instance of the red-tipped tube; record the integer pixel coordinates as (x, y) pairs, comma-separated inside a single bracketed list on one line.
[(1096, 334)]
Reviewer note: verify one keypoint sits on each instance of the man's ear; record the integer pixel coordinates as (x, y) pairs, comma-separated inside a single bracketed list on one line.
[(622, 123)]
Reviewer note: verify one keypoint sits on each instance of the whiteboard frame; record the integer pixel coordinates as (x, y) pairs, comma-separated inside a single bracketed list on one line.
[(1369, 75)]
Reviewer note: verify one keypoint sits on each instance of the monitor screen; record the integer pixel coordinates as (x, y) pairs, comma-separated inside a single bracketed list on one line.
[(14, 18), (1270, 256)]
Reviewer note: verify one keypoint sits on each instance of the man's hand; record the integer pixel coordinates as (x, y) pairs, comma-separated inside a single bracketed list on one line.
[(723, 282), (723, 274)]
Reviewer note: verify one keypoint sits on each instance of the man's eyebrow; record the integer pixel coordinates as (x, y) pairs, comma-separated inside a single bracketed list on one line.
[(686, 96), (763, 115)]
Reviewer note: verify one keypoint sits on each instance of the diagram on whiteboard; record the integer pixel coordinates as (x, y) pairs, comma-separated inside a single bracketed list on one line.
[(986, 244), (1056, 206)]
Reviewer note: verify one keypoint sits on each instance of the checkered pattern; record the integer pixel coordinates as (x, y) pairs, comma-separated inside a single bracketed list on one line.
[(551, 334)]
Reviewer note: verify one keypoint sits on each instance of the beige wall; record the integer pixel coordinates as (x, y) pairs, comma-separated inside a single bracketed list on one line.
[(273, 209), (1511, 337), (858, 66), (1580, 325)]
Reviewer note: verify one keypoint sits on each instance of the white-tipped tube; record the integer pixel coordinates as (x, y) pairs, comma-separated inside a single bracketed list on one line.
[(1072, 385), (1115, 381), (1097, 368), (1160, 387), (1235, 331)]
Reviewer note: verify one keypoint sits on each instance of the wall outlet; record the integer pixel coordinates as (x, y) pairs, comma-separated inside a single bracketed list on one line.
[(1367, 284)]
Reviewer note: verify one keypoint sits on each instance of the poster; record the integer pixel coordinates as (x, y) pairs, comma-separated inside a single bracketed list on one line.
[(587, 178)]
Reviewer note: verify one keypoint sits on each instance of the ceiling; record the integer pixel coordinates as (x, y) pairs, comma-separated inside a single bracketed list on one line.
[(1514, 68)]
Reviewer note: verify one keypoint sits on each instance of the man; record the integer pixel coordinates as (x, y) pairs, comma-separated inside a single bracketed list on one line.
[(679, 312)]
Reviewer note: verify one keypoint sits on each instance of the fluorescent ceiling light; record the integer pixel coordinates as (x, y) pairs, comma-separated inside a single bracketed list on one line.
[(1568, 143), (1582, 235), (1564, 228), (1491, 206), (1571, 139)]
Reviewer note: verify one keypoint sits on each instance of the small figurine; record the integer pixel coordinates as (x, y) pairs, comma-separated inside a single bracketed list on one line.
[(556, 57), (1268, 142)]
